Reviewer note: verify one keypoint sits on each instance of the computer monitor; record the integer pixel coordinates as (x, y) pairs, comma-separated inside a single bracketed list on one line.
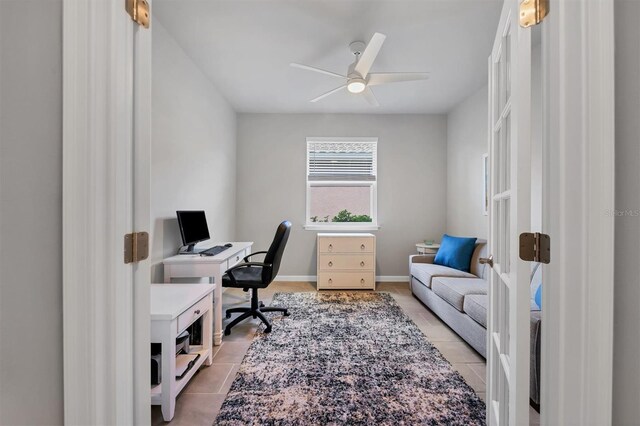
[(193, 227)]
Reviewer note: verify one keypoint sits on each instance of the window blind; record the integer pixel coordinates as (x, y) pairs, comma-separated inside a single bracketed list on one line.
[(342, 161)]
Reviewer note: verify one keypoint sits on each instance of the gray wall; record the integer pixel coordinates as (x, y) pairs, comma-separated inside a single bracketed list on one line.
[(31, 212), (467, 141), (626, 351), (193, 151), (411, 181)]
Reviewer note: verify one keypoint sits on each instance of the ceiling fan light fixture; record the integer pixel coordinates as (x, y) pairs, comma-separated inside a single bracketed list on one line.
[(356, 85), (358, 79)]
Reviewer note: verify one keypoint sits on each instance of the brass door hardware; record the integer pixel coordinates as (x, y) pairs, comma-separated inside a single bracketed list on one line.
[(136, 247), (532, 12), (139, 11), (535, 247)]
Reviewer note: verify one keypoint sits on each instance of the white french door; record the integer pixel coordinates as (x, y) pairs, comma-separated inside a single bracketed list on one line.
[(509, 211)]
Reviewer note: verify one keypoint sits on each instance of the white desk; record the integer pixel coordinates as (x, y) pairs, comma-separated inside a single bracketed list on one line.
[(212, 267), (174, 307)]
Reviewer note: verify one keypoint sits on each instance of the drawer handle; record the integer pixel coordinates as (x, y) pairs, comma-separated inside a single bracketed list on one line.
[(362, 263), (362, 247), (330, 247), (330, 280), (237, 257), (361, 280), (330, 263), (197, 312)]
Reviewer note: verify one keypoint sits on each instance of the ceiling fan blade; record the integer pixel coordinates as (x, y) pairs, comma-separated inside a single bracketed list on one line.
[(369, 55), (330, 92), (321, 71), (394, 77), (370, 97)]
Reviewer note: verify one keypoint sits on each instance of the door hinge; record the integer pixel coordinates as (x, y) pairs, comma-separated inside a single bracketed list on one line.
[(139, 11), (535, 247), (136, 247), (532, 12)]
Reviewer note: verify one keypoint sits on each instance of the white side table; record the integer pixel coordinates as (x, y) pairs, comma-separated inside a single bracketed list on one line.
[(427, 248), (174, 307)]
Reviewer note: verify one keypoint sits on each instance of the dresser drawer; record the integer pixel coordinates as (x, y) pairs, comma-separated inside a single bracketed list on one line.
[(346, 244), (194, 312), (346, 280), (332, 262)]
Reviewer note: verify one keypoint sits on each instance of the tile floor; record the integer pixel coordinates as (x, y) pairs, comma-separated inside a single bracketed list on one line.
[(200, 401)]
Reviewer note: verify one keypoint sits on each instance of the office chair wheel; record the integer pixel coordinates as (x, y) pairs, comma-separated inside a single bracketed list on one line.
[(286, 313), (267, 330), (227, 331), (261, 304), (228, 315)]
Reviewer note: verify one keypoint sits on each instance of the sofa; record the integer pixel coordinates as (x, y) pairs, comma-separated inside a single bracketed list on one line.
[(460, 299)]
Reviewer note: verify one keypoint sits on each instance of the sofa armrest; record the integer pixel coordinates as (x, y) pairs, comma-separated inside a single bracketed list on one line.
[(422, 258)]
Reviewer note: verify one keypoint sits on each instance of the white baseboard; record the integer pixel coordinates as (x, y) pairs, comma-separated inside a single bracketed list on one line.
[(302, 278), (392, 279), (313, 278)]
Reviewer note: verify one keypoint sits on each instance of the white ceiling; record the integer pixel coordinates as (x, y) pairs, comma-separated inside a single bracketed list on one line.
[(245, 48)]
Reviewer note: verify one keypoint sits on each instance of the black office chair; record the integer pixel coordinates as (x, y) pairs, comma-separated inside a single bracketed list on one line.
[(255, 275)]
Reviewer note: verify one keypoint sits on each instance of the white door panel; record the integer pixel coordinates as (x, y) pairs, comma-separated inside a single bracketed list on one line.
[(509, 211)]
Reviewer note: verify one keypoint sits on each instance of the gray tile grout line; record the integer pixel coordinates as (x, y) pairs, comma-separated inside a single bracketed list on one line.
[(225, 379)]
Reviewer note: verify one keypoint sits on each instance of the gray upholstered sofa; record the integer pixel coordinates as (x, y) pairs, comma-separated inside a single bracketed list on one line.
[(460, 300)]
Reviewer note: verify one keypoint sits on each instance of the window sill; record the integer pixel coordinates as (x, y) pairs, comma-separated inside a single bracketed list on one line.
[(346, 228)]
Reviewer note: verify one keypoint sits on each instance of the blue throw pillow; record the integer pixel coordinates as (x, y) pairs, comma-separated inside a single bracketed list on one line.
[(455, 252), (538, 296)]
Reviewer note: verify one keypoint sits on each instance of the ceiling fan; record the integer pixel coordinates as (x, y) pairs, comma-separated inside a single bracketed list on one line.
[(358, 78)]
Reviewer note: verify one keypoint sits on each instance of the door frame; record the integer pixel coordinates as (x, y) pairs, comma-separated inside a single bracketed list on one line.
[(577, 352), (106, 188), (578, 198)]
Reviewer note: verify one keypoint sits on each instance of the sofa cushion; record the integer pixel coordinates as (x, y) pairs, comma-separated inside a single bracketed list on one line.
[(454, 290), (475, 305), (424, 272), (455, 252)]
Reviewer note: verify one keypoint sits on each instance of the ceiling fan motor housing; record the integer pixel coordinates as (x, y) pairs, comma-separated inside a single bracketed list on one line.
[(352, 73)]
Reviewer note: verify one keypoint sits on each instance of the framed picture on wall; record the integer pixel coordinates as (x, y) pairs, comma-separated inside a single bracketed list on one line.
[(485, 184)]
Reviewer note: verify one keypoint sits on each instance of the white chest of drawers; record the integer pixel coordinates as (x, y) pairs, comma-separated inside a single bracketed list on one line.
[(346, 261)]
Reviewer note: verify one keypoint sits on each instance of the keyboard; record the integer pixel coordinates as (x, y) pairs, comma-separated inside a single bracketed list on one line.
[(213, 251)]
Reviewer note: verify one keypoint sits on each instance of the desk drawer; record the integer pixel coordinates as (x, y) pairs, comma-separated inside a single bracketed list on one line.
[(346, 280), (235, 259), (346, 244), (193, 313), (358, 262)]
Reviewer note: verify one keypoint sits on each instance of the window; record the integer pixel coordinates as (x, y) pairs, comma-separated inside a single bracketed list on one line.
[(341, 183)]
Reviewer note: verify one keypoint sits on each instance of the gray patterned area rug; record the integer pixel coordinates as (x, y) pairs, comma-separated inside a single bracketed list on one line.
[(347, 359)]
